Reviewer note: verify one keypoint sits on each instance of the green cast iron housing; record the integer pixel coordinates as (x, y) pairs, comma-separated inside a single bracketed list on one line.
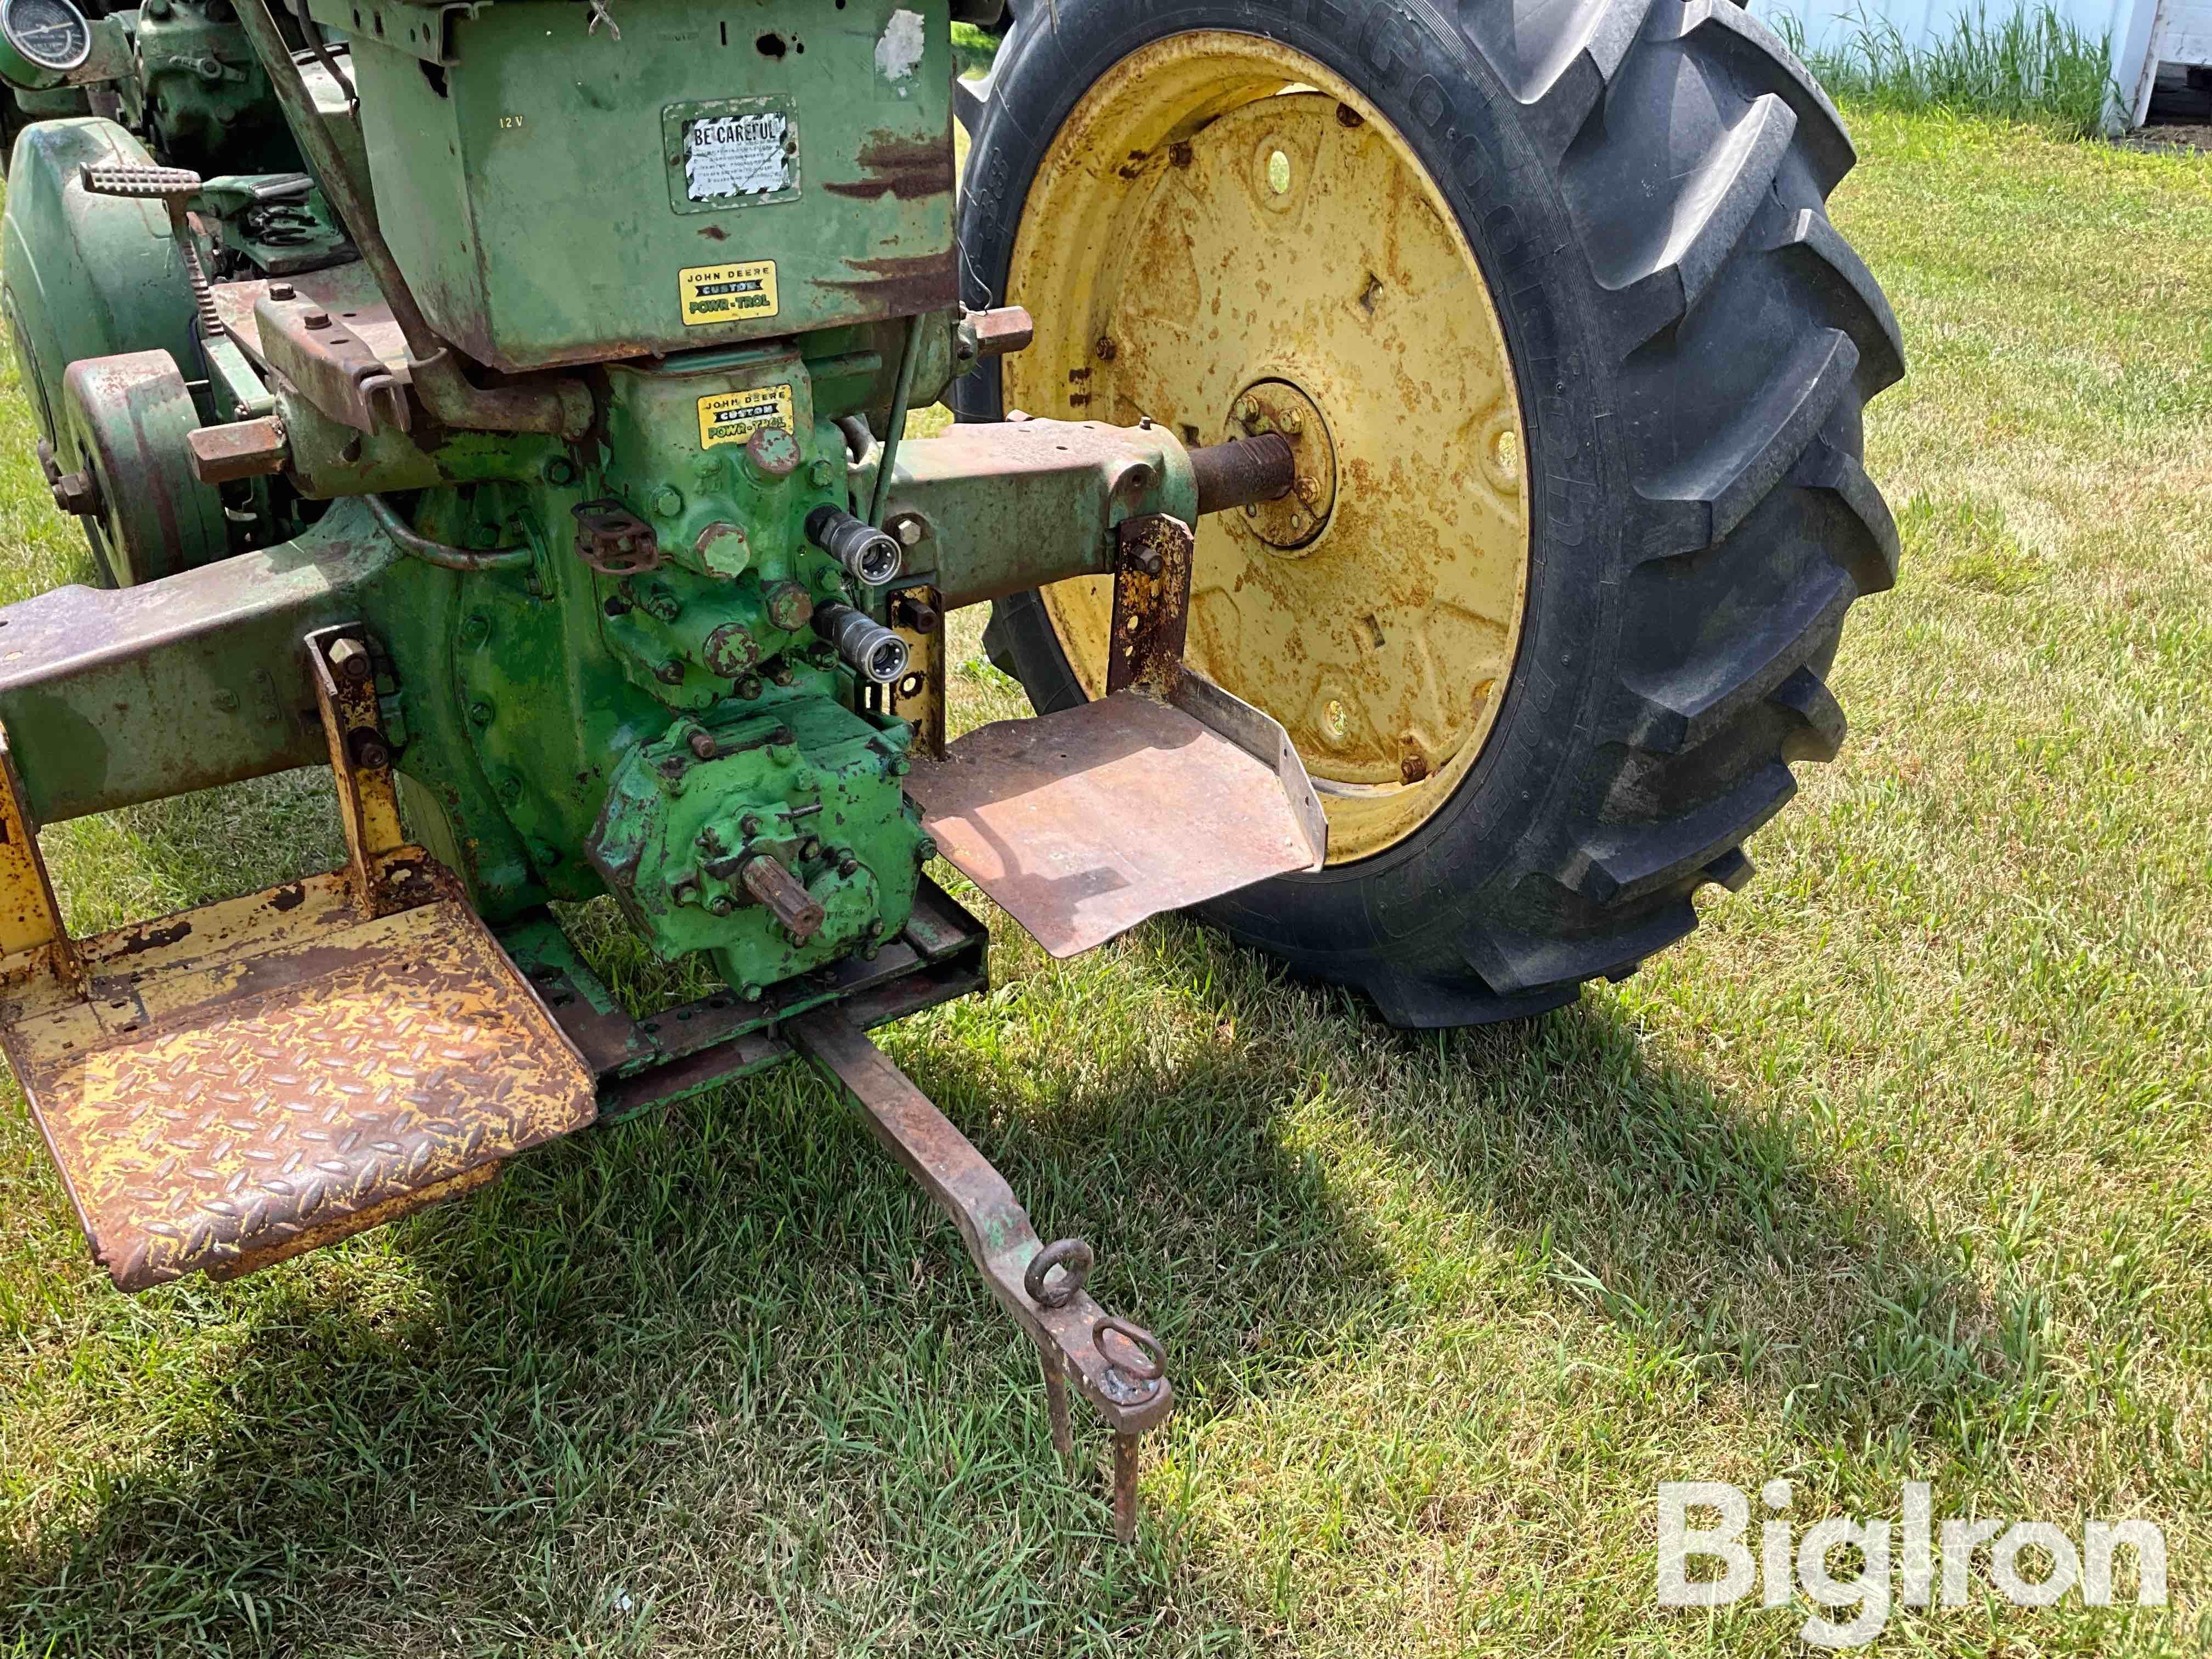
[(717, 175)]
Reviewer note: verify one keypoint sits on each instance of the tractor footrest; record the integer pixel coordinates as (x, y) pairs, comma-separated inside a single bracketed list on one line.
[(257, 1079), (1083, 824)]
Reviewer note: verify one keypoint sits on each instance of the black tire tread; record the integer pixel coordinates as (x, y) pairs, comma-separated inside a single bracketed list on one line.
[(1759, 695)]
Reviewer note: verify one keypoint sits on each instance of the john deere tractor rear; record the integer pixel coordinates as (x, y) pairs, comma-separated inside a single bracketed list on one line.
[(1435, 509)]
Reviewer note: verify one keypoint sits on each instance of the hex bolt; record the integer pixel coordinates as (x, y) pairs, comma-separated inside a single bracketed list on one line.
[(823, 474), (317, 320), (703, 746), (722, 905), (278, 290), (810, 849), (731, 651), (368, 749), (911, 528), (480, 713), (925, 849), (772, 454), (751, 825), (669, 673), (351, 662), (752, 992), (560, 471), (77, 494), (790, 607), (749, 688), (668, 500), (847, 864)]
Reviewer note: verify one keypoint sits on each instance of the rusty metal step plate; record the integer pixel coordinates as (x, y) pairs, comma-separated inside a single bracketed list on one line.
[(265, 1076), (1085, 823)]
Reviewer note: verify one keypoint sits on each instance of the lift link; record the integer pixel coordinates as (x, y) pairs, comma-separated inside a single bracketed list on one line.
[(1117, 1366)]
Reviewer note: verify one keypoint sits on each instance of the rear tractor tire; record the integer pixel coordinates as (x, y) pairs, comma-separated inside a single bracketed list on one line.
[(1549, 302)]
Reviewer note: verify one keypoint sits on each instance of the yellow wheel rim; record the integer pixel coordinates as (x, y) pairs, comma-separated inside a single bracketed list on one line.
[(1226, 237)]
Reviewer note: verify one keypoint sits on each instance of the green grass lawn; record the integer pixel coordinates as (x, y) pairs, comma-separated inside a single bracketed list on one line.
[(1898, 1170)]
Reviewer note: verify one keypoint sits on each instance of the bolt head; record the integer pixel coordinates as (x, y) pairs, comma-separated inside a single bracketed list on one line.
[(724, 550), (350, 661), (76, 493), (510, 791), (790, 606), (909, 529), (480, 713), (722, 904), (317, 320), (703, 744), (276, 291), (774, 453), (668, 500), (669, 673), (477, 629), (824, 474)]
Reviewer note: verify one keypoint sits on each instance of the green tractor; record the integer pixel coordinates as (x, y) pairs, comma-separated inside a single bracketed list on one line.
[(1415, 466)]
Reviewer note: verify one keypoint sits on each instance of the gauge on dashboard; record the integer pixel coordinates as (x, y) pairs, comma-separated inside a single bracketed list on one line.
[(51, 34)]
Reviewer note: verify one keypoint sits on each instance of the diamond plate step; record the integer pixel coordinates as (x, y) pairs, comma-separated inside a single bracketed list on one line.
[(261, 1077)]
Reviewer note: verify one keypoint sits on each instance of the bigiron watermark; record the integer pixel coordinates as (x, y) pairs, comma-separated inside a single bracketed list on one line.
[(1934, 1561)]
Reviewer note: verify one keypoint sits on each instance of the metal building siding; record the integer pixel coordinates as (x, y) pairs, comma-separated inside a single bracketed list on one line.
[(2187, 35)]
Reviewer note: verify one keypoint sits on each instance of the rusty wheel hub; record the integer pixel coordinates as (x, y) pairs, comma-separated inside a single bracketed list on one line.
[(1295, 523)]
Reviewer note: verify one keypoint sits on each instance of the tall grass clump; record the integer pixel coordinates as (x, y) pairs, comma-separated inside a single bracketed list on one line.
[(2032, 66)]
